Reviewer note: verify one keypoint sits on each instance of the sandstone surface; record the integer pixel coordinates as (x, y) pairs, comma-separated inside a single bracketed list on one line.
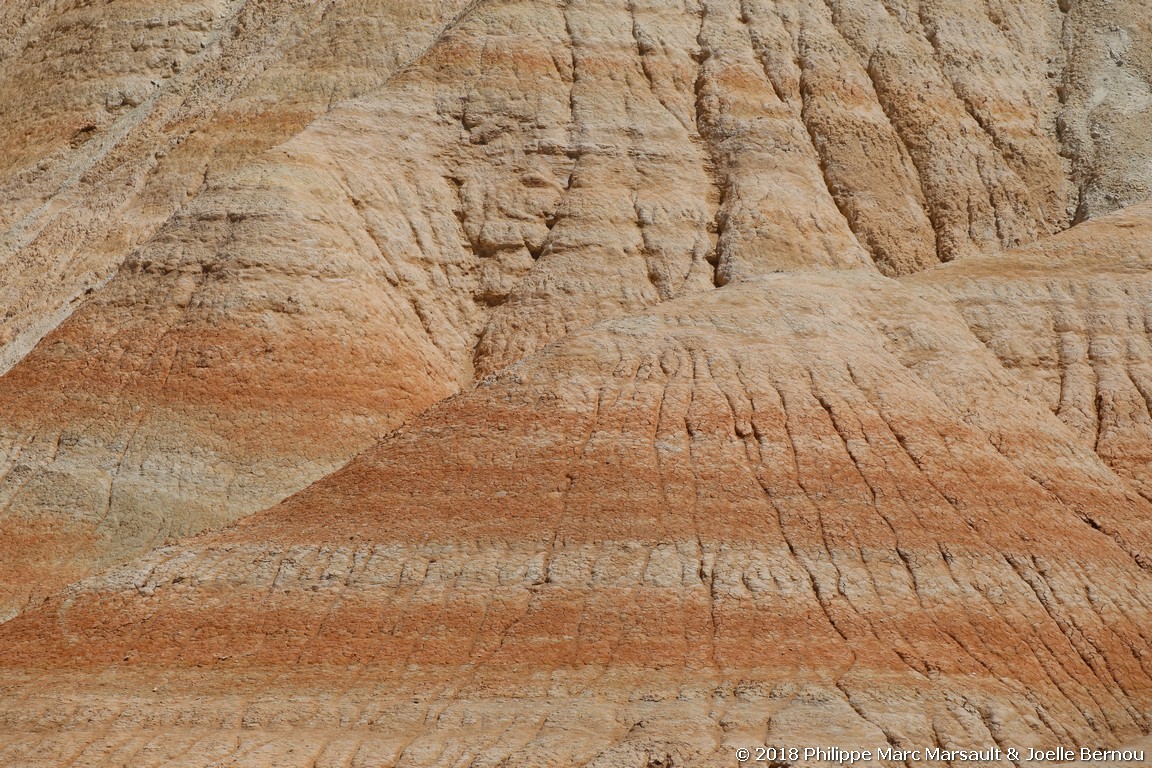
[(748, 372), (1068, 317), (778, 511)]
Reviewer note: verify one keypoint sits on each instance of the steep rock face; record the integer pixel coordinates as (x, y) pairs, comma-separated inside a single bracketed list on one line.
[(539, 167), (779, 511), (1069, 317), (241, 352), (1108, 88), (785, 407), (118, 113), (200, 384)]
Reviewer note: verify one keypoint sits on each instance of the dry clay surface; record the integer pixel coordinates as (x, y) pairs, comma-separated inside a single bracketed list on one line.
[(777, 399), (247, 302), (778, 511)]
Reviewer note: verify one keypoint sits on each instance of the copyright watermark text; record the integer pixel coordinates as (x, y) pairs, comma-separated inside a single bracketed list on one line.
[(785, 756)]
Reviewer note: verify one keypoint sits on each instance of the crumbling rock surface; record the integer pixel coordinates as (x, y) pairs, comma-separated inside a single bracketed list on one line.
[(1069, 318), (747, 372), (778, 511), (118, 113)]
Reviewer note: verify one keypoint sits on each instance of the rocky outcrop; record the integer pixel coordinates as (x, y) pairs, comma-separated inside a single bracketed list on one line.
[(140, 417), (121, 113), (538, 168), (740, 372), (776, 511), (1068, 317)]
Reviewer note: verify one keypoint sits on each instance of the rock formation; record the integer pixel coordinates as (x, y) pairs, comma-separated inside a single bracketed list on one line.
[(583, 383)]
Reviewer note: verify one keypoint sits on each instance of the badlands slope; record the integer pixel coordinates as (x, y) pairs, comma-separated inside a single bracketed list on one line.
[(593, 383)]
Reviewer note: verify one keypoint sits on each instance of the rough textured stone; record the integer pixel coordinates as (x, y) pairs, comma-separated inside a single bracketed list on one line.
[(1069, 318), (118, 113), (746, 371), (777, 506)]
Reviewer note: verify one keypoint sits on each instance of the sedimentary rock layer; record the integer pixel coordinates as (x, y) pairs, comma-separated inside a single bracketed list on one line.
[(747, 372), (119, 113), (780, 506), (1069, 318), (511, 172)]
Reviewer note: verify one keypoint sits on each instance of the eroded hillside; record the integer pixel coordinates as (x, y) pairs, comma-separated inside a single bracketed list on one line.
[(799, 350)]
